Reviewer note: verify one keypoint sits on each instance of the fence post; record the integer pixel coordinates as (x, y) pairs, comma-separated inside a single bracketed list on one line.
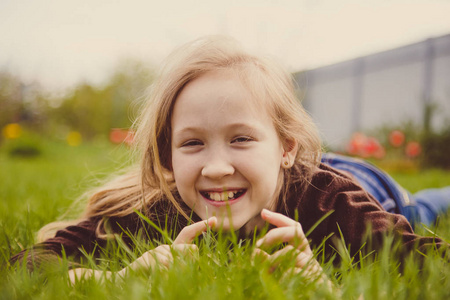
[(427, 88), (358, 81)]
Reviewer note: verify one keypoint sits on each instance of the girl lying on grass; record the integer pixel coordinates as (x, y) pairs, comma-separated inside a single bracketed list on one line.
[(226, 144)]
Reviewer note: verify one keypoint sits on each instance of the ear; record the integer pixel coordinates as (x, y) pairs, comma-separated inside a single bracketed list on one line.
[(290, 148)]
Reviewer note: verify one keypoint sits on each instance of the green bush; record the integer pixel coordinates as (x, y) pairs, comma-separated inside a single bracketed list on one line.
[(27, 145)]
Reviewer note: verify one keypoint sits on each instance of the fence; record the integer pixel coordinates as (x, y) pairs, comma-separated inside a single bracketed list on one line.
[(384, 88)]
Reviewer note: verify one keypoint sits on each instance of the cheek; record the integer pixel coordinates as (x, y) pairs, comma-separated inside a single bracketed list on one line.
[(261, 168), (184, 169), (268, 160), (178, 169), (270, 170), (183, 179)]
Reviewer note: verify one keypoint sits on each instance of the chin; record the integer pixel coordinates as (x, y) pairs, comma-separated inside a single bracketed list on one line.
[(227, 224)]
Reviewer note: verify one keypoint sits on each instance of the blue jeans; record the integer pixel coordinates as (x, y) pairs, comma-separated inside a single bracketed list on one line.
[(422, 207)]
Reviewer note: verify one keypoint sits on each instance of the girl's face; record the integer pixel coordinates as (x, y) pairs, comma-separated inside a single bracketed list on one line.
[(226, 154)]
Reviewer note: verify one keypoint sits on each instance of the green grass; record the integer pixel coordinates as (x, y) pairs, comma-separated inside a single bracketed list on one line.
[(37, 191)]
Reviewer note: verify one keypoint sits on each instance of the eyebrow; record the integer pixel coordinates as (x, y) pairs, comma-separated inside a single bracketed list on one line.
[(194, 129), (187, 130)]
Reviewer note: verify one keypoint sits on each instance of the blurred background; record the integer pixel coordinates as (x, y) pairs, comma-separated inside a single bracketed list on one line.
[(375, 75)]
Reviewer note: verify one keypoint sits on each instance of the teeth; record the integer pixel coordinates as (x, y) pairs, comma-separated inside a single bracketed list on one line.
[(221, 196)]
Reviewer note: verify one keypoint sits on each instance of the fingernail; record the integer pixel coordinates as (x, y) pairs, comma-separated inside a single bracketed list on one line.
[(266, 211), (259, 243), (256, 252), (211, 221)]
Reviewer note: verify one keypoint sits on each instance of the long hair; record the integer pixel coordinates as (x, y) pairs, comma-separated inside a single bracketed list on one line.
[(152, 180)]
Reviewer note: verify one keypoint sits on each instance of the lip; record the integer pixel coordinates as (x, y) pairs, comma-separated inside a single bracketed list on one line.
[(222, 189), (226, 202)]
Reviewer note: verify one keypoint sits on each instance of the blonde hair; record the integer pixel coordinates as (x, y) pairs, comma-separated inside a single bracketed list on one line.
[(152, 181)]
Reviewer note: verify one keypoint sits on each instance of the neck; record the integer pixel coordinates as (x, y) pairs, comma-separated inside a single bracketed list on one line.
[(255, 223)]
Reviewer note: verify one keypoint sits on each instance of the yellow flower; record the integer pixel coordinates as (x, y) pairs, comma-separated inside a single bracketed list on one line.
[(12, 131), (74, 138)]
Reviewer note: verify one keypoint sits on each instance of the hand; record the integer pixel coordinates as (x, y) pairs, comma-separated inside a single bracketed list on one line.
[(162, 256), (290, 232)]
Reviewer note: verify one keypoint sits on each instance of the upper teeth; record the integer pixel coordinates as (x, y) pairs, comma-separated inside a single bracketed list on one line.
[(221, 196)]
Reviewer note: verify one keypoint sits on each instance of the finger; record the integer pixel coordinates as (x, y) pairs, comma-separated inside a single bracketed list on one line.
[(306, 273), (277, 219), (292, 235), (162, 260), (308, 262), (313, 273), (163, 255), (190, 250), (189, 233), (303, 260), (288, 251), (305, 263), (276, 236), (259, 254), (318, 277), (275, 259), (160, 256), (185, 248)]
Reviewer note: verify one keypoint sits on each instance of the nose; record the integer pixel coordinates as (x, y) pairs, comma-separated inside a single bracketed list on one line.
[(217, 166)]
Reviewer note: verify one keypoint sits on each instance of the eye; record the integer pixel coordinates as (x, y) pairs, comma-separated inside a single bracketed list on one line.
[(192, 143), (242, 139)]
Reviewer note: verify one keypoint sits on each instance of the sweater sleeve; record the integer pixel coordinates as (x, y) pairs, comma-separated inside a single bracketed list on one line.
[(70, 242), (356, 219), (74, 241)]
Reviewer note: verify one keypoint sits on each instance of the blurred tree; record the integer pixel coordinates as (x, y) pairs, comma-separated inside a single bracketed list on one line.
[(21, 103), (127, 87), (11, 103), (86, 110), (94, 111)]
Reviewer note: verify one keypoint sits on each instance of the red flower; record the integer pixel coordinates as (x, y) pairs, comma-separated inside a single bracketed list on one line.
[(396, 138), (117, 136), (413, 149), (356, 143), (365, 146)]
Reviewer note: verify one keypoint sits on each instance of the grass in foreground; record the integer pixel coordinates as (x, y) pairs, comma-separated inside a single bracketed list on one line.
[(225, 268), (35, 192)]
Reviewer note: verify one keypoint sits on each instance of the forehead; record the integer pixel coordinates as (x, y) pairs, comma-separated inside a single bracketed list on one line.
[(218, 94)]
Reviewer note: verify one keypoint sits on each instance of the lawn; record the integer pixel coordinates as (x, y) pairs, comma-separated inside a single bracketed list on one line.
[(36, 191)]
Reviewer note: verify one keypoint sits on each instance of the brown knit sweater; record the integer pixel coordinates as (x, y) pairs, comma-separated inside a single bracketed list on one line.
[(351, 210)]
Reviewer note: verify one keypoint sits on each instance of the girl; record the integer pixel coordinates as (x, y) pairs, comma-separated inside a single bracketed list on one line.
[(225, 143)]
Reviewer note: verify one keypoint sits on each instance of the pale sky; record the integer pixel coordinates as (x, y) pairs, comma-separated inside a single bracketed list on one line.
[(62, 42)]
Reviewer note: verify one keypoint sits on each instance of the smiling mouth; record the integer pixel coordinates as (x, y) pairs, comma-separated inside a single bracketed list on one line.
[(223, 196)]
